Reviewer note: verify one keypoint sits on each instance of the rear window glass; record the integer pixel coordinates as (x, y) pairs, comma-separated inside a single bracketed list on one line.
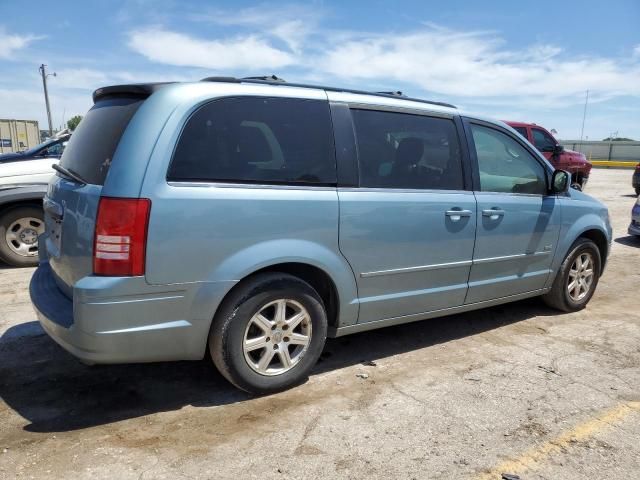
[(257, 140), (92, 145)]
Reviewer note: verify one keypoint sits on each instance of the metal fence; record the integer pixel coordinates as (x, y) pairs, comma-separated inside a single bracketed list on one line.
[(606, 151)]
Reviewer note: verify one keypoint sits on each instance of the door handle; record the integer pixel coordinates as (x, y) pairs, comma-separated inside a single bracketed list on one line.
[(493, 213), (456, 215)]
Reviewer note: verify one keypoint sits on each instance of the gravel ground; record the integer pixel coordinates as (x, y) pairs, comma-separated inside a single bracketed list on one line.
[(515, 389)]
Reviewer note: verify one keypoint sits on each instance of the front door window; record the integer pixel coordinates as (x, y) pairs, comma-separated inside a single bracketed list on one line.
[(505, 165)]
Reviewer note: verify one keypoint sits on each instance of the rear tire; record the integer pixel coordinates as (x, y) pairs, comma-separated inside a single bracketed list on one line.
[(577, 279), (637, 190), (19, 230), (268, 333)]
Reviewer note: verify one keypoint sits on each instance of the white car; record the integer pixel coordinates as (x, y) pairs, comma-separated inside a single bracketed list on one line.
[(23, 182)]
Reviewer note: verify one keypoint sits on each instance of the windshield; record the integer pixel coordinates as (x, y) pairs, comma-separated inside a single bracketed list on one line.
[(37, 148)]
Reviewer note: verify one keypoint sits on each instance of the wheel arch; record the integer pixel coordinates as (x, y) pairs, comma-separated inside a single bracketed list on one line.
[(319, 279), (598, 237), (21, 196), (591, 226), (6, 207), (323, 282)]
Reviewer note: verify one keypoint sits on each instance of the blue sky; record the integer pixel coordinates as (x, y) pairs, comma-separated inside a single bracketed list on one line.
[(529, 61)]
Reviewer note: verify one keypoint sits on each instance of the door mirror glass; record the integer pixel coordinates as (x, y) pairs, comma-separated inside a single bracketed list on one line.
[(560, 181)]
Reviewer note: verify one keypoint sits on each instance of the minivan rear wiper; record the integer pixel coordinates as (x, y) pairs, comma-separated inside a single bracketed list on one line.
[(69, 173)]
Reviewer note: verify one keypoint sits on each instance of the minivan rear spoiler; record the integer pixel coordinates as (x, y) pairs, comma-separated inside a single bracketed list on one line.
[(142, 90)]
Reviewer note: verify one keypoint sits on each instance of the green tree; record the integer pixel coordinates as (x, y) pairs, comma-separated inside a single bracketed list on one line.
[(73, 122)]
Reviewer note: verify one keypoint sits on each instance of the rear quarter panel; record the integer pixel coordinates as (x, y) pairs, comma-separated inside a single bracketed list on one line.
[(208, 233)]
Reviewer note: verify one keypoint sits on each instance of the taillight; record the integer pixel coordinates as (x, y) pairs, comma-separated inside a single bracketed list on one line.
[(121, 236)]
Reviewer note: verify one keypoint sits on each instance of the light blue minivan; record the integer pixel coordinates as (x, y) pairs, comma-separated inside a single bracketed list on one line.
[(252, 218)]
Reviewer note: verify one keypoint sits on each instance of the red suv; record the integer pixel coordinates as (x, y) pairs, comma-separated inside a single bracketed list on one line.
[(574, 162)]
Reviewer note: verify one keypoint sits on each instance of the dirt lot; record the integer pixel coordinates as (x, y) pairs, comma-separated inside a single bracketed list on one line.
[(514, 389)]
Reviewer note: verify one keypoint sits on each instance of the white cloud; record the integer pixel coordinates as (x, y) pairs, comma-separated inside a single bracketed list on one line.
[(477, 65), (28, 104), (291, 24), (251, 51), (12, 43), (79, 78)]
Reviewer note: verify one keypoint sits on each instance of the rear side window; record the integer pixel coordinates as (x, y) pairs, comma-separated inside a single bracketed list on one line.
[(542, 140), (522, 131), (257, 140), (398, 150), (92, 145)]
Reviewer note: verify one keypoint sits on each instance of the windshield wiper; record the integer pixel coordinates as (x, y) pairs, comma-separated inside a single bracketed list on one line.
[(69, 173)]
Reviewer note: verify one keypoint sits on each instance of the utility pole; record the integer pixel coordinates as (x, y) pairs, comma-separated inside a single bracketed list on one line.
[(584, 116), (43, 72)]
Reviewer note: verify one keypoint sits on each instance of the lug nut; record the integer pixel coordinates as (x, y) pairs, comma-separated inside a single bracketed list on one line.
[(286, 339), (275, 346)]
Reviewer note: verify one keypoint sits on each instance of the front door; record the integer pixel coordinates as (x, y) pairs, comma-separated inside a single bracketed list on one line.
[(408, 229), (518, 222)]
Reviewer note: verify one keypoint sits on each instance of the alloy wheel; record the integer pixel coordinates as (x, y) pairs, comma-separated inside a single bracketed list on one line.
[(277, 337), (581, 276)]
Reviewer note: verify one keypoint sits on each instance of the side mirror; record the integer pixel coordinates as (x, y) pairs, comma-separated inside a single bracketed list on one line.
[(560, 182), (558, 149)]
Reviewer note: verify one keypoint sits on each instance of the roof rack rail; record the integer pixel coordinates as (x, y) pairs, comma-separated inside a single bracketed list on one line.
[(266, 78), (397, 93), (221, 79), (275, 80)]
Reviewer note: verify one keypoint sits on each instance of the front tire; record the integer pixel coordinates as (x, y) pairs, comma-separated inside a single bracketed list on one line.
[(19, 231), (577, 278), (576, 183), (268, 333)]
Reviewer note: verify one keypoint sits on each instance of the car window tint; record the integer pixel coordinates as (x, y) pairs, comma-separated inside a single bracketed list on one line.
[(398, 150), (542, 140), (522, 131), (505, 165), (257, 140), (92, 145)]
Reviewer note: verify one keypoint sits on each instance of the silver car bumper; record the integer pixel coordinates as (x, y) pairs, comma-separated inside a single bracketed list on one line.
[(124, 320)]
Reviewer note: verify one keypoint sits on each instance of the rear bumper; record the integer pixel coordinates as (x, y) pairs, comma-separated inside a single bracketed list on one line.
[(126, 320)]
